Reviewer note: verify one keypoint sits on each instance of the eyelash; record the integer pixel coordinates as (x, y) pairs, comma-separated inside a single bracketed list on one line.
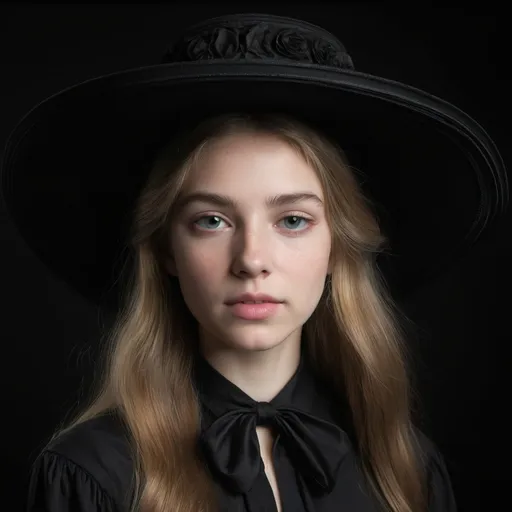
[(293, 231)]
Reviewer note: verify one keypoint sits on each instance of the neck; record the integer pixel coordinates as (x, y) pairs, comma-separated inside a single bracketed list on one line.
[(261, 374)]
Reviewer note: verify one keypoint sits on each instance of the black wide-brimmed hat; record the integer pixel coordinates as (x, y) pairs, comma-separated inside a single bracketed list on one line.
[(74, 165)]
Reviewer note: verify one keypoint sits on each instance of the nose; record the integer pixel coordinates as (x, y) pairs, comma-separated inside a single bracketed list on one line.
[(251, 252)]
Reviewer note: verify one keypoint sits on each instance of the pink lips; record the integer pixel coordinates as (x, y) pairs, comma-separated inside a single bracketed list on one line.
[(249, 311), (254, 306)]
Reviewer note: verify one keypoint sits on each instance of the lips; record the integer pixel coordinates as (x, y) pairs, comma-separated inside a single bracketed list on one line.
[(253, 298), (254, 311)]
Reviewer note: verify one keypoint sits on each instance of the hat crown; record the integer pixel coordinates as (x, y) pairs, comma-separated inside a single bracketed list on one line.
[(259, 37)]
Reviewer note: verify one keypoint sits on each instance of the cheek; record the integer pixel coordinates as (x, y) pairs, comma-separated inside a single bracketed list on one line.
[(199, 269), (309, 263), (307, 272), (198, 281)]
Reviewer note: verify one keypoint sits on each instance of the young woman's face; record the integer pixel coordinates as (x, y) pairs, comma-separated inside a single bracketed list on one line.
[(239, 242)]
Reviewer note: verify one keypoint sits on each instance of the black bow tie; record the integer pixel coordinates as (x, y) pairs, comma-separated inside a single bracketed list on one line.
[(315, 447)]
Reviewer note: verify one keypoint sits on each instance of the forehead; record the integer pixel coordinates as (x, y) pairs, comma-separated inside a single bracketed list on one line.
[(250, 163)]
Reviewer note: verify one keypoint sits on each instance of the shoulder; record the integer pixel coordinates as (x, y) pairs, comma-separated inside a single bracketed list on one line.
[(440, 492), (92, 458), (93, 441), (428, 451)]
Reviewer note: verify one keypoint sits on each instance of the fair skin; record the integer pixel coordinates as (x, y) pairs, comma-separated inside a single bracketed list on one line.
[(220, 251)]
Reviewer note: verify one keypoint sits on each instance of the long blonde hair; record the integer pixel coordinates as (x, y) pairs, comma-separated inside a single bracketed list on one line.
[(353, 337)]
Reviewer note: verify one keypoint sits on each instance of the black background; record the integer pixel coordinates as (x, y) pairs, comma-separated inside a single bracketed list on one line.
[(50, 335)]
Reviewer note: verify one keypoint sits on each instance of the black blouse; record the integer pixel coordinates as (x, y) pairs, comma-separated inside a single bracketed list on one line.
[(90, 468)]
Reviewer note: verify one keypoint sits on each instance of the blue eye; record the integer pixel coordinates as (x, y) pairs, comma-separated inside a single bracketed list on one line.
[(292, 222), (296, 219), (209, 224)]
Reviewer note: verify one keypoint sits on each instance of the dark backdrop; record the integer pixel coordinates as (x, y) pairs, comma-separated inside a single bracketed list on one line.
[(49, 334)]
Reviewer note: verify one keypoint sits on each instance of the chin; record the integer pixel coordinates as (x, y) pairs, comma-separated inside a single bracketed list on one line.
[(255, 338), (246, 337), (254, 345)]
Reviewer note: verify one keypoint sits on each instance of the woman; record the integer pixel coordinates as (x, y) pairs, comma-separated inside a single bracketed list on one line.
[(257, 360)]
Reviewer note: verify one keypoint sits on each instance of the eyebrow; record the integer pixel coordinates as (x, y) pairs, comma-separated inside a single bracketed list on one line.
[(228, 202)]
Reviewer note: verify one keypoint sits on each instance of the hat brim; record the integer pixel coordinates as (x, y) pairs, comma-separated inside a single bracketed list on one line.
[(74, 165)]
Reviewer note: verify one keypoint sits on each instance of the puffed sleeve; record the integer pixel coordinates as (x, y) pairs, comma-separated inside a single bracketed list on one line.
[(57, 484), (441, 497), (439, 486)]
